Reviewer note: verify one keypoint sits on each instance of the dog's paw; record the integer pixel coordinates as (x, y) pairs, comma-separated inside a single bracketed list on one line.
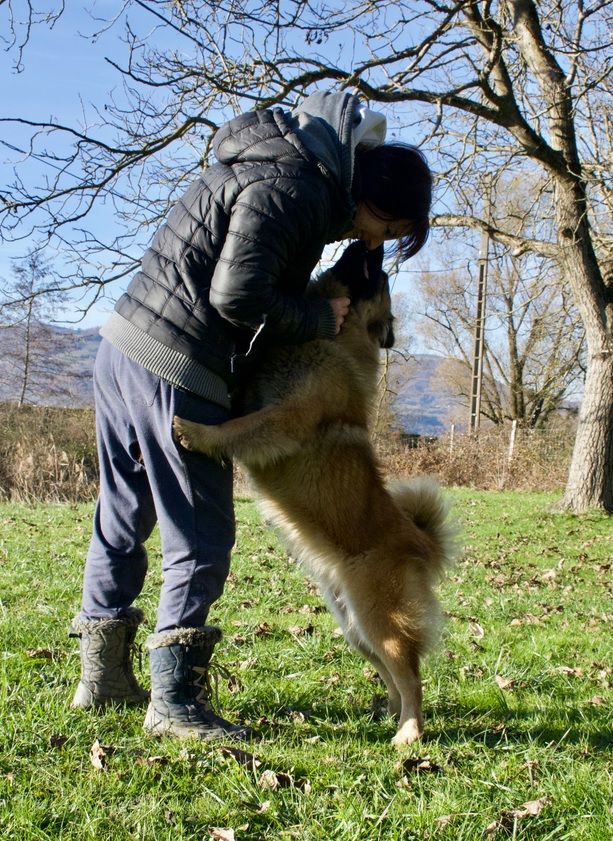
[(408, 733), (186, 433)]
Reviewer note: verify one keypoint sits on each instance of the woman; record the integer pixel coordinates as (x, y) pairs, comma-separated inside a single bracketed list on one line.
[(224, 274)]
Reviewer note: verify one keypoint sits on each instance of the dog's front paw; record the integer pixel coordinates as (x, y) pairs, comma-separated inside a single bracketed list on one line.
[(190, 435)]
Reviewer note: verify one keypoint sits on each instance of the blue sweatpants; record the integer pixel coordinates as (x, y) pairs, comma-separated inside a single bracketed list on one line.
[(146, 478)]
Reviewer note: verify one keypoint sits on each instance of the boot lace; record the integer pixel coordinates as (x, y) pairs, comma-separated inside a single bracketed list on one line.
[(206, 680)]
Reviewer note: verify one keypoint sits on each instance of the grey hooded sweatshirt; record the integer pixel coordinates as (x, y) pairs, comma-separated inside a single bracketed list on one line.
[(236, 252)]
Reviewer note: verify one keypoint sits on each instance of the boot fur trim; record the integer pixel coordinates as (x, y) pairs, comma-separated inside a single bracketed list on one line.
[(132, 618), (192, 637)]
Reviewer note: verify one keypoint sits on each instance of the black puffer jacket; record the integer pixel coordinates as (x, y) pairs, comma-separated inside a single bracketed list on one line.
[(237, 250)]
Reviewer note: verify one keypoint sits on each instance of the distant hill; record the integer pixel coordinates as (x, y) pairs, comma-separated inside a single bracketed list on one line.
[(422, 406), (65, 362)]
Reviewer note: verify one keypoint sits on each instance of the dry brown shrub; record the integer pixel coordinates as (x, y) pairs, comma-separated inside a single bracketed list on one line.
[(47, 454)]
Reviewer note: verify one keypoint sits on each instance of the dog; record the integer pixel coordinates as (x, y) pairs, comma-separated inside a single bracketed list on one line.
[(375, 550)]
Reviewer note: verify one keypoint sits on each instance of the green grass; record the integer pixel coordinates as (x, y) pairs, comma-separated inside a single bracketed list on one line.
[(529, 608)]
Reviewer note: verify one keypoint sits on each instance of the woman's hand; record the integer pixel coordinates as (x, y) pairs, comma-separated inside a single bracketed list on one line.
[(340, 307)]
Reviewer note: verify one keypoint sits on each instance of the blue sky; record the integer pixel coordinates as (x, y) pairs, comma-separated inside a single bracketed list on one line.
[(62, 70)]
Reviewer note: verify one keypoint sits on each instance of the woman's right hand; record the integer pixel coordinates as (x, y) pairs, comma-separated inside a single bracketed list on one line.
[(340, 307)]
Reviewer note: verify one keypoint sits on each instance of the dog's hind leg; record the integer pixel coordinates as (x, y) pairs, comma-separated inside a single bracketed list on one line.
[(394, 700), (339, 609), (400, 656), (408, 680), (381, 626)]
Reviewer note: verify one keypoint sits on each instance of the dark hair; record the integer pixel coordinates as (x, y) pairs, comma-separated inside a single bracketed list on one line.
[(394, 179)]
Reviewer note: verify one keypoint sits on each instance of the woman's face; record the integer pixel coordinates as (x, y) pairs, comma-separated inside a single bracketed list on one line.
[(373, 228)]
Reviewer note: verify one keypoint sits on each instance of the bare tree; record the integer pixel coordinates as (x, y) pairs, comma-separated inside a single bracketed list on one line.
[(484, 85), (534, 338), (32, 352)]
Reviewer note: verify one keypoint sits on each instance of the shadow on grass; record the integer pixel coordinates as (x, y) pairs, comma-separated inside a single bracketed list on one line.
[(488, 726), (493, 727)]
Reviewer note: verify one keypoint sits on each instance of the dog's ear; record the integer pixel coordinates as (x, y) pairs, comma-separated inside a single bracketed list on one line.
[(374, 264), (350, 264), (360, 270)]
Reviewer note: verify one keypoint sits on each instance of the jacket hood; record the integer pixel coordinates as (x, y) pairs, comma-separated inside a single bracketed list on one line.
[(325, 129), (257, 137)]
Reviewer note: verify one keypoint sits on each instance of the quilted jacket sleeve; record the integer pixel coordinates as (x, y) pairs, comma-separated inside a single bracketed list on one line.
[(275, 236)]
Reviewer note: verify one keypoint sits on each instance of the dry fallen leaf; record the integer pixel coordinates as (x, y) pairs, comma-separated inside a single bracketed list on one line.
[(243, 757), (221, 834), (504, 682), (528, 619), (570, 671), (444, 820), (312, 608), (98, 754), (476, 629), (152, 760), (301, 631), (531, 807), (509, 817), (417, 765), (269, 781), (40, 653)]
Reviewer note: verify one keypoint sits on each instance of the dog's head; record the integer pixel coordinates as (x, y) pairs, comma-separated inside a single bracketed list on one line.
[(359, 270)]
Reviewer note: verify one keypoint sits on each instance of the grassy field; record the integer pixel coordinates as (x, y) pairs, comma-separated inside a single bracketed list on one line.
[(517, 698)]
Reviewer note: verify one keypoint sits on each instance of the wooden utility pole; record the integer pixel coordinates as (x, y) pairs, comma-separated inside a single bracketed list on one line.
[(477, 374)]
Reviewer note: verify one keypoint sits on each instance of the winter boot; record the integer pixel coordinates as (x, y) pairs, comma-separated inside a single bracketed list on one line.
[(180, 687), (107, 647)]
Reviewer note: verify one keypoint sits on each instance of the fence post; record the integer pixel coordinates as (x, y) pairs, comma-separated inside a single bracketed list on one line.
[(451, 436), (512, 442)]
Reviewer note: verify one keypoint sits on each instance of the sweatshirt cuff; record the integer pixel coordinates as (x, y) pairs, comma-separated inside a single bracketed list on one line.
[(326, 322)]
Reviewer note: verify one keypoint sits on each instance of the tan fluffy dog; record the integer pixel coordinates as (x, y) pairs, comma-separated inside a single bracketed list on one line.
[(376, 551)]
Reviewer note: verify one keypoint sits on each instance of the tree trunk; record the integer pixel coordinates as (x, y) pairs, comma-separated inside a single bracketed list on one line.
[(590, 480), (27, 351)]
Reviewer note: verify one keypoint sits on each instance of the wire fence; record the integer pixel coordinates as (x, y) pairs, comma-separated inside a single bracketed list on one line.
[(495, 458)]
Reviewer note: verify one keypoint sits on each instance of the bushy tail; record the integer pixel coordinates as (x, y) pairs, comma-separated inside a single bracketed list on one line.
[(421, 500)]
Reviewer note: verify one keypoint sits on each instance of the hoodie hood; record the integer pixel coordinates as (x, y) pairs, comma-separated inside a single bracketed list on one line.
[(332, 125)]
